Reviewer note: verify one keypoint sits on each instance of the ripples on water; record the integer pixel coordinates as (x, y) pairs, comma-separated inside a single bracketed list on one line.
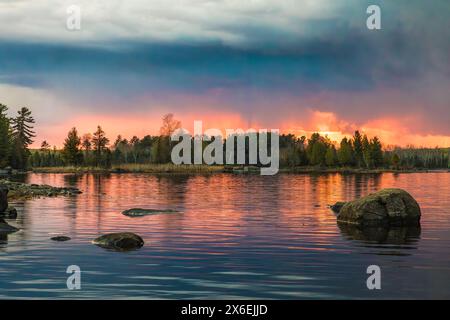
[(235, 237)]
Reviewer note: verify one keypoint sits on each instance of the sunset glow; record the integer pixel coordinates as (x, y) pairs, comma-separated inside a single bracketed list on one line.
[(284, 72)]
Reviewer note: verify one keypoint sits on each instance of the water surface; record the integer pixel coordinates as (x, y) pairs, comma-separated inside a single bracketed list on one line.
[(236, 236)]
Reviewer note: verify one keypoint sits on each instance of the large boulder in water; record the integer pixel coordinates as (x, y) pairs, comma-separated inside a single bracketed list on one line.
[(3, 199), (388, 207), (120, 241)]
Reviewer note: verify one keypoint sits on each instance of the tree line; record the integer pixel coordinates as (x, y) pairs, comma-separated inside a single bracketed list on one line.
[(97, 150), (16, 135)]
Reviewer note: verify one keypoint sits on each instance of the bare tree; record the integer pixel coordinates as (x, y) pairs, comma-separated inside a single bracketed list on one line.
[(170, 124)]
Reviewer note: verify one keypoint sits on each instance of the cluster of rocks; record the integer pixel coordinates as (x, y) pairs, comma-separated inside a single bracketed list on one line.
[(388, 207), (19, 190), (115, 241), (6, 212)]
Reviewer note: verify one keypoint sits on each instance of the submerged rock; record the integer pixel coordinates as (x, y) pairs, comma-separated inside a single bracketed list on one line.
[(138, 212), (3, 198), (6, 228), (60, 238), (388, 207), (123, 241)]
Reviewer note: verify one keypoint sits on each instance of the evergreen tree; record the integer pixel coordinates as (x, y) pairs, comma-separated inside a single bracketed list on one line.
[(395, 161), (122, 148), (345, 152), (5, 136), (163, 147), (316, 149), (376, 151), (22, 134), (36, 159), (367, 152), (331, 157), (71, 152), (448, 157), (99, 143), (86, 142), (358, 148)]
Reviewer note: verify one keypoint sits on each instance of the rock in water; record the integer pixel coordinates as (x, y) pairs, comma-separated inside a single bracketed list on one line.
[(388, 207), (3, 199), (10, 213), (60, 238), (138, 212), (119, 241), (6, 228)]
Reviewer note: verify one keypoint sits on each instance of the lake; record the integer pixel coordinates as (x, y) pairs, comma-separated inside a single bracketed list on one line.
[(236, 237)]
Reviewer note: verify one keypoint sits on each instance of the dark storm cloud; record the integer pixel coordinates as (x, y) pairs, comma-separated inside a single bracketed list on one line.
[(335, 55)]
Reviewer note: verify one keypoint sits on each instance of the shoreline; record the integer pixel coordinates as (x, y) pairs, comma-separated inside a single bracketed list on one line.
[(205, 169)]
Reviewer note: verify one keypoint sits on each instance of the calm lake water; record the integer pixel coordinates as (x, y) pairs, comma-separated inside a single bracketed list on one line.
[(236, 237)]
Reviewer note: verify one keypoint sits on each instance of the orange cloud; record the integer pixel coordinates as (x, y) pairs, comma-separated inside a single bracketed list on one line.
[(391, 131)]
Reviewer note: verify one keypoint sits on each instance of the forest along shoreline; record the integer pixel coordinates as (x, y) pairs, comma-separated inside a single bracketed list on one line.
[(91, 153), (206, 169)]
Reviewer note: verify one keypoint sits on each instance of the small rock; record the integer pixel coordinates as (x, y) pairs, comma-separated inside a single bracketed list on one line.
[(138, 212), (123, 241), (60, 238)]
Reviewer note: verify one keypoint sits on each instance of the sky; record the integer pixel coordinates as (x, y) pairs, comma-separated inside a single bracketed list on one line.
[(300, 66)]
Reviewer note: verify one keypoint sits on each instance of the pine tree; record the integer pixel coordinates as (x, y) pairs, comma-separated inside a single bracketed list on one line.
[(71, 152), (367, 152), (86, 142), (5, 136), (316, 149), (331, 157), (99, 143), (22, 134), (395, 161), (448, 157), (376, 151), (36, 159), (358, 149), (345, 153)]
